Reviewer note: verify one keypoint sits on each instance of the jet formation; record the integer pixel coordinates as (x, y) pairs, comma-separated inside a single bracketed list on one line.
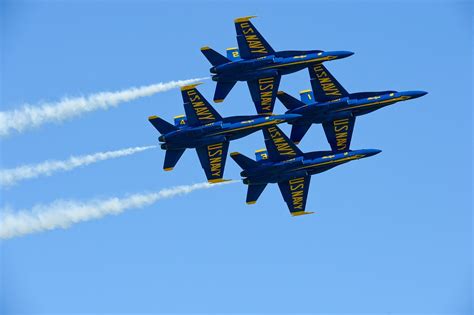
[(282, 162)]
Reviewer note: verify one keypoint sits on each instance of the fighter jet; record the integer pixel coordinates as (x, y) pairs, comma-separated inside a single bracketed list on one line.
[(283, 163), (206, 131), (256, 62), (331, 105)]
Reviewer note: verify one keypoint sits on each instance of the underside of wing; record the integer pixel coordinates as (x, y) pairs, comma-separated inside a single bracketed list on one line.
[(325, 86), (295, 193), (339, 133), (212, 158), (251, 42), (264, 92), (197, 108), (278, 145)]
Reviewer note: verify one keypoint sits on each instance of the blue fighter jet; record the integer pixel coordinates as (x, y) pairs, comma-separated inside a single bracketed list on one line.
[(256, 62), (331, 105), (206, 131), (283, 163)]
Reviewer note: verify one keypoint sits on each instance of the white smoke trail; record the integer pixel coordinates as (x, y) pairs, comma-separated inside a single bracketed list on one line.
[(62, 214), (12, 176), (29, 116)]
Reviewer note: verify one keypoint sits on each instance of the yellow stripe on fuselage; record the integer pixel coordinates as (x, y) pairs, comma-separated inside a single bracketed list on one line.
[(396, 99), (248, 127), (354, 157), (326, 58)]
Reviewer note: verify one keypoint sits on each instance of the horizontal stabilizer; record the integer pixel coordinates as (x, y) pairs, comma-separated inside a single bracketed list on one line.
[(161, 125), (244, 162), (222, 90), (213, 56), (289, 101), (298, 132), (171, 158), (253, 192)]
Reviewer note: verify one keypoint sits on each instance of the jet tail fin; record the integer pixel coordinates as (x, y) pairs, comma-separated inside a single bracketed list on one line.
[(213, 56), (161, 125), (244, 162), (222, 90), (289, 101), (253, 192), (233, 54)]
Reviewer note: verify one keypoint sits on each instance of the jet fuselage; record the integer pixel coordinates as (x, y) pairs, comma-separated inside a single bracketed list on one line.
[(228, 129), (281, 63), (356, 104), (309, 164)]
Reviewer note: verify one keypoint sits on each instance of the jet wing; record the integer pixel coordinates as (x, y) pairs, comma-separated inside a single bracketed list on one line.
[(295, 192), (212, 158), (264, 92), (197, 108), (324, 84), (251, 42), (278, 145), (339, 133)]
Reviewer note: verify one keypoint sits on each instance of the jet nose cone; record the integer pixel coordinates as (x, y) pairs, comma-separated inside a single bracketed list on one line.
[(415, 94), (343, 54), (372, 152), (291, 117)]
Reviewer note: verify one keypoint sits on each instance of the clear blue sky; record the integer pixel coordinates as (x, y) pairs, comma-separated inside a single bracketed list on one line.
[(391, 234)]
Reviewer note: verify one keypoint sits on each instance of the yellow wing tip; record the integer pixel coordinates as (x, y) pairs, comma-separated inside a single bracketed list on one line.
[(218, 101), (152, 117), (232, 48), (234, 153), (260, 150), (244, 18), (218, 180), (167, 169), (205, 48), (252, 202), (297, 213), (190, 86), (179, 116), (304, 91)]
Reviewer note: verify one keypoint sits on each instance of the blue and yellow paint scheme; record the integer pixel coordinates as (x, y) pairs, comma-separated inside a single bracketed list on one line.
[(329, 104), (203, 129), (283, 163), (255, 62)]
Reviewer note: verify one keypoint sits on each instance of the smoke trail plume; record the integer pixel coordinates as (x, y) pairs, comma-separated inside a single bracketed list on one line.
[(12, 176), (62, 214), (30, 116)]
